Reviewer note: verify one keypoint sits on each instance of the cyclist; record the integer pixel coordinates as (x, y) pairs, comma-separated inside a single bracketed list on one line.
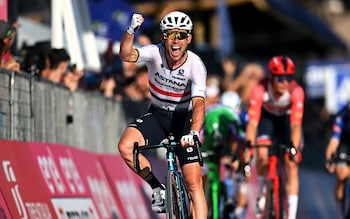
[(221, 135), (177, 79), (339, 144), (275, 112)]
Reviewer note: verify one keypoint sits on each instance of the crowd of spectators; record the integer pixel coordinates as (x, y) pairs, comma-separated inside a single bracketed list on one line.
[(118, 80)]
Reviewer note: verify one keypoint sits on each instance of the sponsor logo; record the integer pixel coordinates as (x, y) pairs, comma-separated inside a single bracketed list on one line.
[(54, 180), (189, 149), (35, 209), (192, 158), (174, 84)]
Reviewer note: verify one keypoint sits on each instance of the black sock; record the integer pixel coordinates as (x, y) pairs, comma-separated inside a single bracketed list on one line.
[(152, 180)]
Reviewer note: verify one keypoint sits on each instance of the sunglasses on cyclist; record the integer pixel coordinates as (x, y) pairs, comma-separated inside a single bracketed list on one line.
[(175, 35), (281, 78)]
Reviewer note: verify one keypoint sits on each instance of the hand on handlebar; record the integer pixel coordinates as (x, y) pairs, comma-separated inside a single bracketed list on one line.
[(248, 154), (294, 154), (330, 164), (188, 139)]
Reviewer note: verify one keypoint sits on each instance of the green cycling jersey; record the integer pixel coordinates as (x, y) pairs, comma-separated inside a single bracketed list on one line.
[(221, 127)]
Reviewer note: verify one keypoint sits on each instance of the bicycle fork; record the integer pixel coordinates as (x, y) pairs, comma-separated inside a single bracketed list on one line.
[(274, 176)]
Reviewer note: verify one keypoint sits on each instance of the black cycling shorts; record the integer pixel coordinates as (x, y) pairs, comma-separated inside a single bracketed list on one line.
[(157, 124), (274, 128)]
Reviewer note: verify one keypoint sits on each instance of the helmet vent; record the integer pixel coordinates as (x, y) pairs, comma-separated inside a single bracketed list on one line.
[(285, 64)]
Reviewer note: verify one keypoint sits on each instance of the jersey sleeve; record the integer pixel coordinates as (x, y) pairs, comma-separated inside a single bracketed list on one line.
[(339, 121), (297, 106), (199, 76), (255, 103), (146, 53)]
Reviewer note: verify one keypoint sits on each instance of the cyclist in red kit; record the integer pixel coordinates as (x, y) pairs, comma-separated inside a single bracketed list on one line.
[(275, 112)]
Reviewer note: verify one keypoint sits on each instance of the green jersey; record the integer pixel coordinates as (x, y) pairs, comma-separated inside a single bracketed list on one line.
[(221, 126)]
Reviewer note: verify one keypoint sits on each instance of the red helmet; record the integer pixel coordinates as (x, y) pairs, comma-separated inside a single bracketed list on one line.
[(281, 65)]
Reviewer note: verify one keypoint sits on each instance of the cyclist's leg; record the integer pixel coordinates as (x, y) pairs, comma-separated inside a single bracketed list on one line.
[(264, 137), (242, 198), (126, 144), (193, 179), (292, 187), (291, 167), (138, 132), (342, 174)]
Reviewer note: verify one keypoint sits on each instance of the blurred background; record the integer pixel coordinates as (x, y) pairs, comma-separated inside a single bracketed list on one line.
[(314, 33)]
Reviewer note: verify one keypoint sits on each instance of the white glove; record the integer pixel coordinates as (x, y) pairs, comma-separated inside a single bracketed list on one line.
[(135, 24), (188, 139)]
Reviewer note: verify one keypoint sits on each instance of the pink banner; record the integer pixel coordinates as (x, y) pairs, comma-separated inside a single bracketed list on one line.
[(4, 211), (44, 181), (90, 167), (21, 183), (3, 10), (125, 187), (59, 170), (76, 177)]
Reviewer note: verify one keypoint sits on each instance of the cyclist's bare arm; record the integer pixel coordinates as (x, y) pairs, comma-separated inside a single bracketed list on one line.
[(198, 113), (251, 130), (330, 152), (296, 134), (127, 52)]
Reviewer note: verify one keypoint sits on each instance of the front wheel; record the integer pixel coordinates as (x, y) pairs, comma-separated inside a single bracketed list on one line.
[(178, 200), (268, 212), (172, 196)]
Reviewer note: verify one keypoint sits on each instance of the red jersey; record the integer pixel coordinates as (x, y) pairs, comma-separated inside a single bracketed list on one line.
[(291, 102)]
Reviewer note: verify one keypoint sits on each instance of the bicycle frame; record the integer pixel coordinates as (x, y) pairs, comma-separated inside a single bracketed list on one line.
[(276, 205), (215, 188), (177, 197)]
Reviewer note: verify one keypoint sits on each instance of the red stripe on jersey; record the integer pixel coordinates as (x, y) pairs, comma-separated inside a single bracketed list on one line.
[(167, 93)]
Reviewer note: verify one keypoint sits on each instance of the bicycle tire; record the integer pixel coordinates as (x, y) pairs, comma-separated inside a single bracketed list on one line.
[(186, 199), (172, 196), (213, 202), (283, 202), (178, 199), (208, 197), (269, 212)]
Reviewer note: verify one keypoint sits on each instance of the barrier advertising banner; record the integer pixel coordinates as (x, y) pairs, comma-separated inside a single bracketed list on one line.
[(90, 168), (49, 181), (21, 183), (125, 188), (4, 211), (75, 181)]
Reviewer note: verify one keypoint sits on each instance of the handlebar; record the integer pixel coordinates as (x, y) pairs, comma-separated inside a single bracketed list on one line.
[(289, 149), (339, 157), (169, 144)]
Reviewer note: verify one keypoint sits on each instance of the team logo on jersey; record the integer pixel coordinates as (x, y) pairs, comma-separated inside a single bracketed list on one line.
[(180, 75), (181, 72)]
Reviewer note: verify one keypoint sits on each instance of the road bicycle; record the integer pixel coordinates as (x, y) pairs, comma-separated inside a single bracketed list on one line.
[(345, 204), (178, 200), (217, 192), (275, 204)]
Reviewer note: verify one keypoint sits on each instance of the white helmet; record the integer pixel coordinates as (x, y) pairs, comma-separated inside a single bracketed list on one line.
[(231, 99), (176, 20)]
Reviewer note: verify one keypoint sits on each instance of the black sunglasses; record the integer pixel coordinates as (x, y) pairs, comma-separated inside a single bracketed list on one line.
[(281, 78), (175, 35)]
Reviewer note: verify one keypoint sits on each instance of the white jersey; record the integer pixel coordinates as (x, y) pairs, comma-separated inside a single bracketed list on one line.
[(173, 89)]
